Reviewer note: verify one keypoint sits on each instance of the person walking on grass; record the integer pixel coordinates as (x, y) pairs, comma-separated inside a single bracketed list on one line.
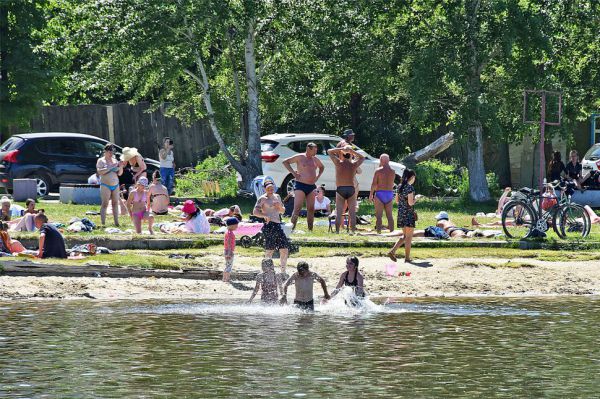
[(52, 243), (269, 283), (137, 204), (167, 164), (109, 170), (345, 172), (407, 217), (308, 170), (269, 207), (382, 192), (229, 246), (304, 279)]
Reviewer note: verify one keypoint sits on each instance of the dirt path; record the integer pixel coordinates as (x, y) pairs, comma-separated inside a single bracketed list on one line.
[(447, 277)]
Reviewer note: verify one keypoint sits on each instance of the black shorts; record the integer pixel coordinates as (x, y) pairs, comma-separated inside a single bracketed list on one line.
[(310, 305), (346, 192), (274, 237), (305, 188)]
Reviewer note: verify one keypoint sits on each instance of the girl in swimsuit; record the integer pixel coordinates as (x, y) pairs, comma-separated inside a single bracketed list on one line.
[(109, 170), (158, 196), (269, 282), (137, 203), (351, 278)]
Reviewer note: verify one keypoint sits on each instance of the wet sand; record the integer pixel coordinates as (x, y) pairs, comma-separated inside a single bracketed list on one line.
[(439, 277)]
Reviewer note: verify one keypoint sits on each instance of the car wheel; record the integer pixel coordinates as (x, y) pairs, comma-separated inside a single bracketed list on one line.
[(43, 184), (288, 186)]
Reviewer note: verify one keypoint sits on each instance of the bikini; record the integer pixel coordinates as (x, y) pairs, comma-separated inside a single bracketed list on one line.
[(140, 214), (353, 284), (135, 171), (305, 188), (111, 188), (385, 196), (346, 192)]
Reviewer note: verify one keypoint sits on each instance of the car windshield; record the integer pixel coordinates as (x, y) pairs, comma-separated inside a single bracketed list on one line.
[(593, 153), (11, 144), (268, 145)]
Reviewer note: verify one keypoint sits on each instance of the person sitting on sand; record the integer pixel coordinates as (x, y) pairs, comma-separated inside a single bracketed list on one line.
[(304, 280), (268, 282), (158, 196), (137, 204), (52, 243), (351, 278)]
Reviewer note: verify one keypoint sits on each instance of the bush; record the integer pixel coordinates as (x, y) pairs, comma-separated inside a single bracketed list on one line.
[(435, 178), (211, 169), (492, 181)]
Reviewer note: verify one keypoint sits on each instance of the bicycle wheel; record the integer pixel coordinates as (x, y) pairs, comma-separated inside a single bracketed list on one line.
[(574, 222), (517, 219)]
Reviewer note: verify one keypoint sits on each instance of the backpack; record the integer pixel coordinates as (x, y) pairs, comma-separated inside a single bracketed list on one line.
[(436, 232)]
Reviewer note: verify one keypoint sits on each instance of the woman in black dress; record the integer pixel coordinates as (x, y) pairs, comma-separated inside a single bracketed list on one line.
[(407, 217)]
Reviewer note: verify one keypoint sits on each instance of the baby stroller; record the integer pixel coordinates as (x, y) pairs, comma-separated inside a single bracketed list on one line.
[(258, 240)]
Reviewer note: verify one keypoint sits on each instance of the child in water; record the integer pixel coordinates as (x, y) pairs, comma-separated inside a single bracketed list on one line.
[(229, 244), (269, 282), (137, 204)]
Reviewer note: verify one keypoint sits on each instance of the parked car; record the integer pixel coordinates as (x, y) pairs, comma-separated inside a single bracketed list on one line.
[(590, 164), (53, 159), (277, 147)]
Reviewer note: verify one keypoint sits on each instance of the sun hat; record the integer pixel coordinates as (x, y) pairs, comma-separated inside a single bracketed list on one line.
[(188, 207), (143, 181), (442, 215), (128, 153), (231, 221), (5, 199)]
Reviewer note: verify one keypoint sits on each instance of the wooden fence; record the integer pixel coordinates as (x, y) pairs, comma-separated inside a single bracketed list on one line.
[(131, 126)]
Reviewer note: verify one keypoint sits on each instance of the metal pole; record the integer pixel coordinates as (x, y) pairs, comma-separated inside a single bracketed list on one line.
[(542, 143)]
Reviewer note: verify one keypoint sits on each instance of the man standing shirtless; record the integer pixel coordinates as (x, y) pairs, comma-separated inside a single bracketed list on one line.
[(306, 176), (345, 172), (304, 279), (382, 192)]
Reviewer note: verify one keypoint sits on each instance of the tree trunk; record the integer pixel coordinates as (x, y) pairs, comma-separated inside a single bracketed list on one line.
[(238, 102), (355, 102), (429, 151), (478, 187), (254, 163), (3, 64)]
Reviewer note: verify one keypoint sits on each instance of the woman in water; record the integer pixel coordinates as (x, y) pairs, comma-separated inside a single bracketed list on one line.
[(407, 216), (351, 278), (136, 163), (137, 204), (158, 196), (269, 282), (109, 170)]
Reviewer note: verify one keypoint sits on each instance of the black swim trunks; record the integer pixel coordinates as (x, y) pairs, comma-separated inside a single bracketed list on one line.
[(274, 237), (345, 192), (310, 305), (305, 188), (453, 229)]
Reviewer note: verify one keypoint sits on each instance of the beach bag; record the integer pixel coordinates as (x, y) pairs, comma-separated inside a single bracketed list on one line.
[(437, 233)]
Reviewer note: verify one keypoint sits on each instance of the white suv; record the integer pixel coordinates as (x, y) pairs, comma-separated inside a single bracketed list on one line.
[(277, 147)]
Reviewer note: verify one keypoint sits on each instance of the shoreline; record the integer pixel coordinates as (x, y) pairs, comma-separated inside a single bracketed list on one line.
[(462, 277)]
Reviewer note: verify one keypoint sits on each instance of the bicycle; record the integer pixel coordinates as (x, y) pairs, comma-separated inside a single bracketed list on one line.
[(524, 214)]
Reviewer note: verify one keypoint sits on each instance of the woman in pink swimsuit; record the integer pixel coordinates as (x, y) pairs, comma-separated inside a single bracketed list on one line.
[(137, 204)]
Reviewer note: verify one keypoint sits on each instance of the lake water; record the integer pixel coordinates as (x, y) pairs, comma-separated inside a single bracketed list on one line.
[(477, 347)]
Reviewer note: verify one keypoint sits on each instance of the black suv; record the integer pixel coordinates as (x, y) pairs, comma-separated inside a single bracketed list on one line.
[(53, 158)]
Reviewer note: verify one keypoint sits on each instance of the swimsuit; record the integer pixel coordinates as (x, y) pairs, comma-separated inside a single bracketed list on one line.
[(305, 188), (346, 192), (453, 229), (140, 214), (385, 196), (354, 285), (310, 305), (111, 188), (269, 288)]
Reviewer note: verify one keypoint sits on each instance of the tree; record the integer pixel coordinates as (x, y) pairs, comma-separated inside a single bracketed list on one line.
[(26, 75), (469, 60), (205, 58)]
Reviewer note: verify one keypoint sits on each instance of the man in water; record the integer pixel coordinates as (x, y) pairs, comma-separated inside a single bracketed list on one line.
[(304, 280), (345, 172), (382, 192), (306, 176)]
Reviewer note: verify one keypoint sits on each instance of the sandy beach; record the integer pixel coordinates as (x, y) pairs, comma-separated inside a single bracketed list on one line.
[(439, 277)]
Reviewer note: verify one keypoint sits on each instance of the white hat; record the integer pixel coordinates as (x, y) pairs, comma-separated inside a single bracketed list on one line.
[(128, 153), (4, 199), (442, 215), (143, 181)]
